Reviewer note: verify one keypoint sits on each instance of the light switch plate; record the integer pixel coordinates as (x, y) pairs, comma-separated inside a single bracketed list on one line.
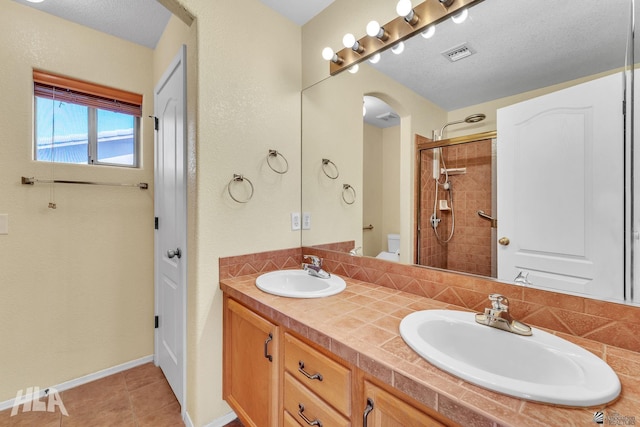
[(295, 221), (306, 220), (4, 223)]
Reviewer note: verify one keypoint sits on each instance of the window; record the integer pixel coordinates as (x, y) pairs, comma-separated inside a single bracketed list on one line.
[(84, 123)]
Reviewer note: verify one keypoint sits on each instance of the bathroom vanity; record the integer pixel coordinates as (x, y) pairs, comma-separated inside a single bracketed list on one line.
[(275, 376), (276, 348)]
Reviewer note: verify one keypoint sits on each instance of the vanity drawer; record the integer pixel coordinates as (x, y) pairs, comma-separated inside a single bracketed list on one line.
[(289, 421), (300, 402), (335, 386)]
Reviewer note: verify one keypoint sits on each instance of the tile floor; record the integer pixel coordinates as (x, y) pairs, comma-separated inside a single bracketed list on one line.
[(137, 397)]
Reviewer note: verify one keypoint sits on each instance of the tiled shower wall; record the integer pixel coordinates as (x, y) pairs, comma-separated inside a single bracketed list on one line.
[(469, 250)]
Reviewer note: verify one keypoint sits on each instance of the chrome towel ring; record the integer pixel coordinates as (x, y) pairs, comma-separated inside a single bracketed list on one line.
[(325, 163), (346, 190), (240, 178), (275, 154)]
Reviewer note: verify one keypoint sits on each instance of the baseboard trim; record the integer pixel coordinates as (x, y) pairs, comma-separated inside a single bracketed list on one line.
[(218, 422), (86, 379)]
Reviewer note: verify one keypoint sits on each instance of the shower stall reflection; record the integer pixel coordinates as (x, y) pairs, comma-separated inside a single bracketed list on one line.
[(456, 181)]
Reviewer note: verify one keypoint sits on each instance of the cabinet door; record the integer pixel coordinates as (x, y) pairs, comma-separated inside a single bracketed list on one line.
[(250, 365), (386, 410)]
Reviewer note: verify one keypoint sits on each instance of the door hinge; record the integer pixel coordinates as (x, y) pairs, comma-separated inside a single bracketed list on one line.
[(156, 122), (156, 223), (156, 322)]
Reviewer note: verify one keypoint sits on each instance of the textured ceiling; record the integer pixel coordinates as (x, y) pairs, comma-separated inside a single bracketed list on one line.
[(139, 21), (298, 11), (520, 46)]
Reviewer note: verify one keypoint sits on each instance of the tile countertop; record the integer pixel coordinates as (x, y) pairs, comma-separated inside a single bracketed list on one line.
[(360, 325)]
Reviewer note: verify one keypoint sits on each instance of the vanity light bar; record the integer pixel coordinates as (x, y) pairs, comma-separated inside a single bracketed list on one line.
[(430, 12)]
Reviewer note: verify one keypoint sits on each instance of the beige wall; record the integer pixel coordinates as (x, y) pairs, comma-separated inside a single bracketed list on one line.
[(391, 206), (372, 195), (76, 283), (249, 81), (381, 187), (332, 128), (90, 301)]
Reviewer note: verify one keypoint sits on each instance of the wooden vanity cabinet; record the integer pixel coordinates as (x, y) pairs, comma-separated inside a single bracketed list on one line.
[(272, 377), (250, 365), (385, 408)]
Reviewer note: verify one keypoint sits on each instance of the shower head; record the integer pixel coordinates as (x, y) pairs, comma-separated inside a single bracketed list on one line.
[(475, 118)]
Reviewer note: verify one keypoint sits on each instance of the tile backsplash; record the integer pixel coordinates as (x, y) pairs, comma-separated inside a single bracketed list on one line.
[(573, 317)]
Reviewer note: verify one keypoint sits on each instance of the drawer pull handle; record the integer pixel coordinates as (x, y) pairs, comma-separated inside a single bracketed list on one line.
[(315, 422), (367, 410), (306, 374), (266, 348)]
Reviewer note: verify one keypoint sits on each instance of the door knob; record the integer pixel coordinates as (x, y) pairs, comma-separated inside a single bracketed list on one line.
[(177, 253), (504, 241)]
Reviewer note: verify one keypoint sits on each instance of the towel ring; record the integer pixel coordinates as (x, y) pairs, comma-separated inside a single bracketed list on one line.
[(325, 162), (345, 190), (274, 153), (239, 178)]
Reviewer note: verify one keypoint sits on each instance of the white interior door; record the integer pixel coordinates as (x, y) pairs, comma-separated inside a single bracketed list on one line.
[(561, 189), (171, 233)]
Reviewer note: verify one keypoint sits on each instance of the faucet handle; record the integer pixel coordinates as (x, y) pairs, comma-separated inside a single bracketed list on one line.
[(499, 302), (315, 261), (522, 278)]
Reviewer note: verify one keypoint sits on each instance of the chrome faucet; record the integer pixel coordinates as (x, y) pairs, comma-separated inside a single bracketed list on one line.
[(498, 316), (315, 268), (522, 279)]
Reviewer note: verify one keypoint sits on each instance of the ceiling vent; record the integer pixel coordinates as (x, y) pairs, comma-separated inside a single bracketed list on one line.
[(459, 52), (389, 115)]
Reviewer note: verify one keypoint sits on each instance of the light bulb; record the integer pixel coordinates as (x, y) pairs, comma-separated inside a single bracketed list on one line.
[(398, 49), (327, 54), (375, 58), (349, 40), (354, 69), (373, 29), (460, 17), (430, 31), (404, 7)]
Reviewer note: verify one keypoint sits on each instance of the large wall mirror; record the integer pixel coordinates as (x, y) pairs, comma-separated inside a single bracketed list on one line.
[(375, 142)]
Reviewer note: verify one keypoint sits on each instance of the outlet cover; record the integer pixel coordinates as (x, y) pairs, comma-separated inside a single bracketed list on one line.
[(306, 220), (295, 221)]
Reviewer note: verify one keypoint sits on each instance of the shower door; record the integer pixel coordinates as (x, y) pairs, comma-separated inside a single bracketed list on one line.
[(561, 188)]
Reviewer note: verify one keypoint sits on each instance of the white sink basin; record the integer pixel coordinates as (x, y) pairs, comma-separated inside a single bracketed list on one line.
[(299, 284), (541, 367)]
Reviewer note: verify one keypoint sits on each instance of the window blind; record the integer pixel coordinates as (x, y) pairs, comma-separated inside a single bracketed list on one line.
[(66, 89)]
